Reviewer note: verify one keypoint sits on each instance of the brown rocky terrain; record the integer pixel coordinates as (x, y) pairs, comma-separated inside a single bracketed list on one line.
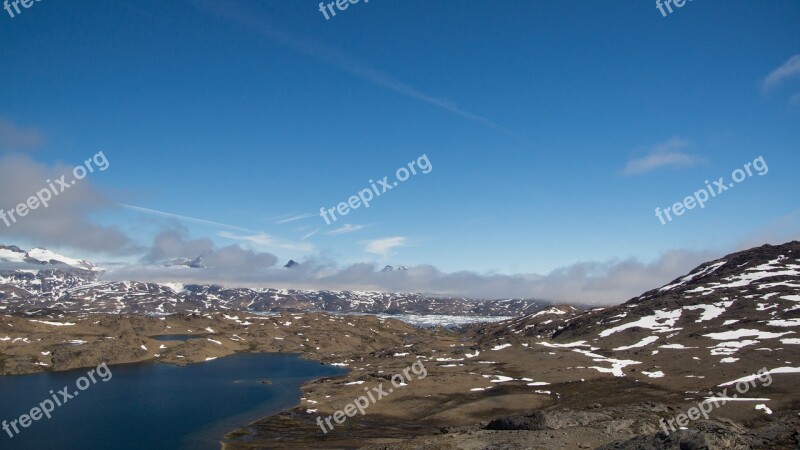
[(557, 379)]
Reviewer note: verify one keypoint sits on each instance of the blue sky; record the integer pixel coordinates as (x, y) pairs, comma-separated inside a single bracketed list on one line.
[(245, 113)]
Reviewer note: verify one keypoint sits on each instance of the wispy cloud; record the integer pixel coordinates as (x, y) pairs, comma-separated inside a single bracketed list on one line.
[(309, 234), (14, 137), (795, 100), (223, 262), (384, 246), (667, 154), (335, 57), (183, 218), (348, 228), (295, 218), (69, 220), (791, 68), (265, 240)]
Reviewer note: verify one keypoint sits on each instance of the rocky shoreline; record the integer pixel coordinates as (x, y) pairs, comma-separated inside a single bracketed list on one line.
[(475, 378)]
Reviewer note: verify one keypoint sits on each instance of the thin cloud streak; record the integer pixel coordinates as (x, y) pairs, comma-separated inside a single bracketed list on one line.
[(295, 218), (667, 154), (266, 241), (791, 68), (339, 59), (383, 246), (348, 228), (184, 218), (309, 234)]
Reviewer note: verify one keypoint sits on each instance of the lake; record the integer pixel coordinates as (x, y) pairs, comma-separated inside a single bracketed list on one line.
[(147, 405), (178, 337)]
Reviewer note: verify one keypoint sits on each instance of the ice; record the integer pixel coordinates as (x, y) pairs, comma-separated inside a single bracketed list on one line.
[(710, 311), (730, 347), (755, 376), (784, 323), (501, 379), (568, 345), (55, 324), (764, 407), (745, 332), (692, 276), (646, 341), (733, 399), (11, 256), (617, 365), (660, 322), (655, 374)]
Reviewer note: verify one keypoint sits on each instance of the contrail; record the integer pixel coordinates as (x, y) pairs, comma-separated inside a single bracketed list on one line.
[(185, 218), (337, 58)]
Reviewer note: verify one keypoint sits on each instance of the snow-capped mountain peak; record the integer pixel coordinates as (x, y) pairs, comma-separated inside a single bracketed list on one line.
[(41, 256)]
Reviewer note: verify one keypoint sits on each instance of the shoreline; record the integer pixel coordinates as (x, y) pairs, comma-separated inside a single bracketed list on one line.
[(476, 375)]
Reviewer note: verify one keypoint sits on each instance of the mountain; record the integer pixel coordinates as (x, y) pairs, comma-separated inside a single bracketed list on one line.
[(65, 284), (43, 257), (291, 263), (722, 338), (738, 313), (196, 263)]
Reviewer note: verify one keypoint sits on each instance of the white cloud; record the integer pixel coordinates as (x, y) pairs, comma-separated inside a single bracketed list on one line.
[(308, 235), (667, 154), (182, 218), (67, 219), (335, 57), (295, 218), (265, 240), (592, 283), (13, 137), (791, 68), (348, 228), (383, 246)]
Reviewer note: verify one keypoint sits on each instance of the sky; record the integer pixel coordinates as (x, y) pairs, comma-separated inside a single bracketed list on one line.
[(543, 135)]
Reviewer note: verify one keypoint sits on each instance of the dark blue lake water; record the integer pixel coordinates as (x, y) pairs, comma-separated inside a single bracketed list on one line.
[(178, 337), (156, 406)]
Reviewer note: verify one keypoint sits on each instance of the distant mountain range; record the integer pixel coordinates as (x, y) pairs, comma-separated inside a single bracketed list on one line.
[(40, 279)]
